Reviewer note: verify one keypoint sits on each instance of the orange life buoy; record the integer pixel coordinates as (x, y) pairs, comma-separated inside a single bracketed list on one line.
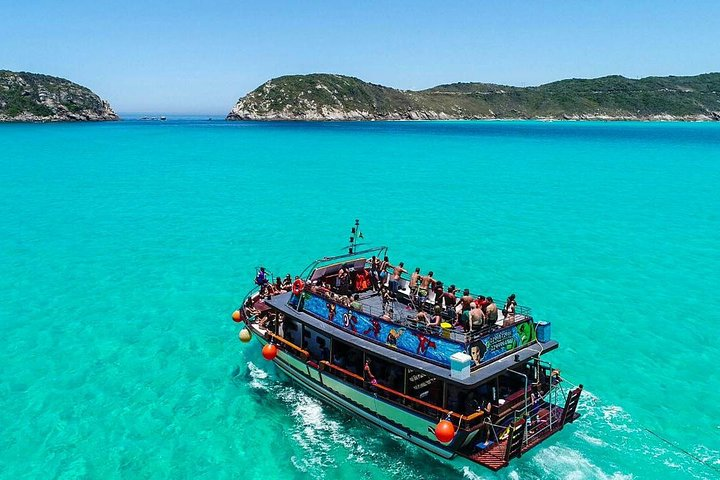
[(298, 287)]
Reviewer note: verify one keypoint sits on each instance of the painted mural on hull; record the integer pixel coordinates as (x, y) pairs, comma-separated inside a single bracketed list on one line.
[(431, 347)]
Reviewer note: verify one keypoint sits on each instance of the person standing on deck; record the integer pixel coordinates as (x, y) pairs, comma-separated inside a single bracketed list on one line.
[(382, 270), (491, 312), (509, 310), (414, 283), (375, 273), (425, 283), (395, 280)]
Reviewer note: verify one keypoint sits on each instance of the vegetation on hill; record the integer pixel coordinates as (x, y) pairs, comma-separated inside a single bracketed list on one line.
[(338, 97), (35, 97)]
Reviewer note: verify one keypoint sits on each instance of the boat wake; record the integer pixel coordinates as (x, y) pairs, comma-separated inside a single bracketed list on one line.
[(327, 440)]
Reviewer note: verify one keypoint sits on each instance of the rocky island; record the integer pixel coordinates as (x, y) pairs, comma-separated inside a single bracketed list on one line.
[(32, 97), (339, 97)]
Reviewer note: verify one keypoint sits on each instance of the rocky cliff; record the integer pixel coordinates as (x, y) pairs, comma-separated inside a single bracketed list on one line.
[(31, 97), (338, 97)]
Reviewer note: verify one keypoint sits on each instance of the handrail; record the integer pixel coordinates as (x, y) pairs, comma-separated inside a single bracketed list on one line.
[(441, 410), (288, 343)]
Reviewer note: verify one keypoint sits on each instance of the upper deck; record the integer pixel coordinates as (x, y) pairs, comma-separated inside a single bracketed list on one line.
[(390, 327)]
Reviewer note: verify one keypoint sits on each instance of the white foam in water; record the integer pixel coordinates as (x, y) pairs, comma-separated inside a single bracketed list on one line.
[(566, 463), (258, 375)]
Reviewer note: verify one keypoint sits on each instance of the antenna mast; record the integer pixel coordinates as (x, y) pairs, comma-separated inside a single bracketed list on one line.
[(354, 235)]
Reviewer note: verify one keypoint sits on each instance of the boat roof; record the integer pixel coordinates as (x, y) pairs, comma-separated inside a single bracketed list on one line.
[(477, 376)]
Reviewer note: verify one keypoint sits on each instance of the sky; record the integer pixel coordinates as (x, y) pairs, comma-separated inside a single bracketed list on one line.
[(199, 57)]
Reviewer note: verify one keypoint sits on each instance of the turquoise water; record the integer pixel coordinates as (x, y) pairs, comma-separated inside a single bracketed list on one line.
[(124, 247)]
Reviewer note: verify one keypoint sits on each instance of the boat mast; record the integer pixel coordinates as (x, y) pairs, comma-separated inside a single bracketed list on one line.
[(354, 235)]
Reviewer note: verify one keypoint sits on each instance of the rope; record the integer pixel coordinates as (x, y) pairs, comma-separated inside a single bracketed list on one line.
[(682, 450)]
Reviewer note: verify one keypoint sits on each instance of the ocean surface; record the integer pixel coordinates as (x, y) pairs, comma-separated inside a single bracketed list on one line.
[(124, 248)]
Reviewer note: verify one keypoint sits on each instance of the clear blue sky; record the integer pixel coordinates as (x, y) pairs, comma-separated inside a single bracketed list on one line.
[(199, 57)]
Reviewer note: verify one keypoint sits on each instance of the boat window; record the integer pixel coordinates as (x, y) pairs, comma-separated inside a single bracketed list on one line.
[(291, 331), (347, 357), (317, 344), (387, 373), (424, 387)]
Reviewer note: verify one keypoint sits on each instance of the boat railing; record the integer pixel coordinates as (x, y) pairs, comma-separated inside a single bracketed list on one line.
[(408, 318), (304, 354), (467, 422)]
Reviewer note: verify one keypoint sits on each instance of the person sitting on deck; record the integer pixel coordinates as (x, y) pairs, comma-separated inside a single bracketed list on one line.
[(261, 278), (356, 303), (477, 317), (287, 283), (278, 285), (437, 317), (509, 310), (491, 312), (422, 318)]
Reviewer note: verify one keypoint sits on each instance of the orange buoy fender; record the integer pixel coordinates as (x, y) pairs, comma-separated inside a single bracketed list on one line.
[(269, 351), (237, 316), (298, 287), (445, 431)]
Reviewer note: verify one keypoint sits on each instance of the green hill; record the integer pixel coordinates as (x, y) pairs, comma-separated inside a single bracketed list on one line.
[(32, 97), (338, 97)]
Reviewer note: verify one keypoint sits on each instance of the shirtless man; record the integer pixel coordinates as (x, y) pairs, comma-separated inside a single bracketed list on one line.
[(425, 283), (414, 282), (395, 280), (477, 317), (491, 312)]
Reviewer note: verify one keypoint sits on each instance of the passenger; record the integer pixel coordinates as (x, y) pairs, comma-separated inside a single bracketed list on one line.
[(450, 301), (278, 284), (466, 300), (439, 292), (356, 303), (387, 301), (422, 318), (375, 273), (367, 373), (261, 278), (287, 283), (477, 317), (509, 310), (482, 303), (383, 270), (491, 312), (425, 283), (437, 317), (341, 283), (395, 280), (414, 284)]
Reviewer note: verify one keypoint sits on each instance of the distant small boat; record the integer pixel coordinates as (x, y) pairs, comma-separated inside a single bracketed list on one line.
[(163, 118)]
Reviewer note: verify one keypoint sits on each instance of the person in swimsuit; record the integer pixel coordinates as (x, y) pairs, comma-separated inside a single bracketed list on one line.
[(395, 280), (491, 312), (477, 317), (425, 283), (414, 284), (375, 273), (509, 310)]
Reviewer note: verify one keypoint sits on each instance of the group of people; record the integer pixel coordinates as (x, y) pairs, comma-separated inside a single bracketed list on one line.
[(268, 288), (464, 311)]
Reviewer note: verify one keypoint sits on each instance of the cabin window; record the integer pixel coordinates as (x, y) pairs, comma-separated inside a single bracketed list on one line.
[(292, 331), (387, 373), (348, 357), (424, 387), (317, 344)]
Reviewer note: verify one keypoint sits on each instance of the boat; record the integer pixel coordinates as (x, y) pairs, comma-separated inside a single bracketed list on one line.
[(355, 335)]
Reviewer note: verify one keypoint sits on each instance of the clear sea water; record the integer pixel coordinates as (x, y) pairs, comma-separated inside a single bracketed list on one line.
[(124, 247)]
